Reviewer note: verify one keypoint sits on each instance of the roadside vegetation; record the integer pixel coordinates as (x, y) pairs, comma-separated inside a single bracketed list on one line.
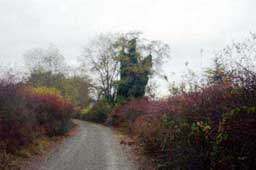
[(121, 65), (28, 114), (207, 122), (37, 108)]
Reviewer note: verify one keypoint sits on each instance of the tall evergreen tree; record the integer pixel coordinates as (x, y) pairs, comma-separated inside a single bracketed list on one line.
[(119, 64), (134, 71)]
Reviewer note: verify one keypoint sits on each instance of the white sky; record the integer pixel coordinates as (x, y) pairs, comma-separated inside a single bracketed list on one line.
[(187, 25)]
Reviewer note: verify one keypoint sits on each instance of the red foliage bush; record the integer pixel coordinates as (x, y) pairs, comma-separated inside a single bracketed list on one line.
[(133, 109), (26, 114), (17, 122), (53, 112), (213, 128)]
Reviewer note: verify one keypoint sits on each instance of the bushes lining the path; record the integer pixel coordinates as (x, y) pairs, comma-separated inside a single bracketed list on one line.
[(28, 113), (213, 128), (98, 113)]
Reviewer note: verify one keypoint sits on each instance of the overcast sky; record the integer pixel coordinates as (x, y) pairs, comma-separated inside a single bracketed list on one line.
[(187, 25)]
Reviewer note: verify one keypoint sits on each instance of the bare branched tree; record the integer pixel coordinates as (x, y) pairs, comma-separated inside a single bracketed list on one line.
[(100, 54), (49, 59)]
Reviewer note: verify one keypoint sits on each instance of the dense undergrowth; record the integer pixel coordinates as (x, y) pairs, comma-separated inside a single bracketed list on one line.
[(27, 114), (97, 113), (213, 127), (207, 123)]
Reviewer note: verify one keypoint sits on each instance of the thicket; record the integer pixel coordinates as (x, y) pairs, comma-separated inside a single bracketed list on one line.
[(75, 88), (205, 126), (48, 68), (122, 65), (27, 113), (213, 128), (98, 113)]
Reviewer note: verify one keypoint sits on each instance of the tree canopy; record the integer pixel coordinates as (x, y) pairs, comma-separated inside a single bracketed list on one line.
[(122, 64)]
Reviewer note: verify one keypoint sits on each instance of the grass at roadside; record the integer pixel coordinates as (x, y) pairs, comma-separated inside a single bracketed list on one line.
[(43, 146), (37, 150), (24, 154), (126, 140)]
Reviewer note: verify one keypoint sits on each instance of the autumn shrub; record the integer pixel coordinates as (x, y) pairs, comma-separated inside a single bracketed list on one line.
[(98, 112), (53, 112), (128, 112), (6, 161), (17, 122), (18, 125), (173, 142), (235, 143), (26, 114), (211, 128)]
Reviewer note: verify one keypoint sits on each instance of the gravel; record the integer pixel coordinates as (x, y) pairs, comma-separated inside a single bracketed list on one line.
[(94, 147)]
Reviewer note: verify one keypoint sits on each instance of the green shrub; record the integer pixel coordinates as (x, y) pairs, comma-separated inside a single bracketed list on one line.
[(98, 113)]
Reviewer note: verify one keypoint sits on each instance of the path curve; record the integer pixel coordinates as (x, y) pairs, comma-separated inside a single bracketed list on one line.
[(94, 147)]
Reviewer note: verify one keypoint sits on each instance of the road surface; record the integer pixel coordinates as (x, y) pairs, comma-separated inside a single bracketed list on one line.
[(94, 147)]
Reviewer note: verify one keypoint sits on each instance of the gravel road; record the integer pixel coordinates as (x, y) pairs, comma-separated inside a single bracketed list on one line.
[(94, 147)]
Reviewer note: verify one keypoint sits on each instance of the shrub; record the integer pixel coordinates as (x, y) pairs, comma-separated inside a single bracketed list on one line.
[(129, 111), (212, 128), (17, 122), (235, 143), (174, 143), (27, 113), (98, 113), (53, 112)]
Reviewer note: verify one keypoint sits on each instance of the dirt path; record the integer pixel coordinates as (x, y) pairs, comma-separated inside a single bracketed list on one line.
[(94, 147)]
